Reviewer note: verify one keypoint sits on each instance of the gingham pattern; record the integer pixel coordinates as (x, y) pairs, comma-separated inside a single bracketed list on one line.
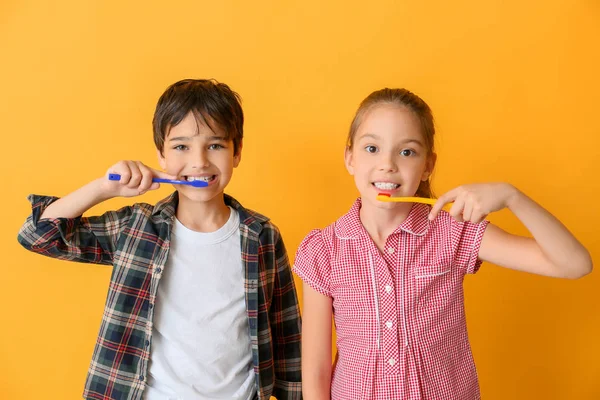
[(399, 316), (135, 240)]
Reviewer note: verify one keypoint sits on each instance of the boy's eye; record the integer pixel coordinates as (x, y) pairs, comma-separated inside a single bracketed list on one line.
[(371, 149), (407, 152), (180, 147), (215, 146)]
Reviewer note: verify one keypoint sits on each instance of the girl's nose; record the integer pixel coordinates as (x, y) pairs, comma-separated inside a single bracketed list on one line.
[(387, 163)]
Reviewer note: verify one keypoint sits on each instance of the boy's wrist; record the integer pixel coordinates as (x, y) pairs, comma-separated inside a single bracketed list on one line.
[(99, 190)]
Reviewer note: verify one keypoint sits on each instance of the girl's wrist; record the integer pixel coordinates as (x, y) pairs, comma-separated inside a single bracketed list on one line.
[(513, 196)]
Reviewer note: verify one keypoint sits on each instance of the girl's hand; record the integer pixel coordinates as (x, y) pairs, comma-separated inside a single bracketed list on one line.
[(136, 179), (474, 202)]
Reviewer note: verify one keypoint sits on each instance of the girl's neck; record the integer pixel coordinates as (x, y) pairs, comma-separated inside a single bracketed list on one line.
[(381, 222), (203, 216)]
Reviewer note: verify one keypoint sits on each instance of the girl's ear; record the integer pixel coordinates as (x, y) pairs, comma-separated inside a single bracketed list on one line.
[(349, 160), (431, 159)]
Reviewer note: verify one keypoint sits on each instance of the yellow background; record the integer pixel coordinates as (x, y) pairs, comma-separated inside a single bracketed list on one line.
[(513, 84)]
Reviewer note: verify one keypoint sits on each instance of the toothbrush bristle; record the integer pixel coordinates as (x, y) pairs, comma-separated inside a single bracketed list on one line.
[(199, 184)]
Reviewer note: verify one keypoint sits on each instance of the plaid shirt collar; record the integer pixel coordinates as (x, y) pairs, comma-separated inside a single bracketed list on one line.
[(166, 209)]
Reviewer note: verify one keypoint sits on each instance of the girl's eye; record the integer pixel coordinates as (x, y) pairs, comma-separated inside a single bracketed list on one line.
[(407, 152), (371, 149), (215, 147), (180, 147)]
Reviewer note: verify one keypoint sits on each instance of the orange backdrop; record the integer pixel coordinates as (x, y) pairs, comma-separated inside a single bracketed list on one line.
[(514, 87)]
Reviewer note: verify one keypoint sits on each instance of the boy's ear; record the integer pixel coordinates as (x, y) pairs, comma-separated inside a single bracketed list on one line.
[(431, 159), (238, 157), (161, 159), (349, 160)]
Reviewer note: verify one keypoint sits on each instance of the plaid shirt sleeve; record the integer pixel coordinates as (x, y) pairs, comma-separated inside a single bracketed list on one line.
[(82, 239), (285, 320)]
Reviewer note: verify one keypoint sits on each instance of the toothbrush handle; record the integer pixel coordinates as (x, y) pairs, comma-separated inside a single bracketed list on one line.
[(117, 177), (163, 180)]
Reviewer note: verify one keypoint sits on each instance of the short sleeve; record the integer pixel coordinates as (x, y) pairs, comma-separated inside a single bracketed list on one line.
[(467, 238), (312, 263)]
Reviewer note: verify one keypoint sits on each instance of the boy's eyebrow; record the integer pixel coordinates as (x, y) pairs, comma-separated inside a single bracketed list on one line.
[(186, 138)]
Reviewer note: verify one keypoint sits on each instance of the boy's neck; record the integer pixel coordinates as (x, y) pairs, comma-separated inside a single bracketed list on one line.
[(203, 216), (380, 223)]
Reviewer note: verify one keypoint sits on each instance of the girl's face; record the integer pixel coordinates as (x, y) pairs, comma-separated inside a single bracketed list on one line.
[(389, 154)]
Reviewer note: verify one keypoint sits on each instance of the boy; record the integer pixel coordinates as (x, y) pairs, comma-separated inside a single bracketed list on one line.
[(224, 322)]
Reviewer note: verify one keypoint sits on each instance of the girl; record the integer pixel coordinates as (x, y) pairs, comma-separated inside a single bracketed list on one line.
[(391, 273)]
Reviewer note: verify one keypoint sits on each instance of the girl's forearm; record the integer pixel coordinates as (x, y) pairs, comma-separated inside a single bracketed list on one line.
[(557, 244)]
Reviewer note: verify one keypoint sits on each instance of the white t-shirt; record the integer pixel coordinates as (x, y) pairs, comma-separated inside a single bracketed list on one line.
[(200, 338)]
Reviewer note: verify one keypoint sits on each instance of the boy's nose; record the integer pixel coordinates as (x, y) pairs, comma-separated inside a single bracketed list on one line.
[(200, 160)]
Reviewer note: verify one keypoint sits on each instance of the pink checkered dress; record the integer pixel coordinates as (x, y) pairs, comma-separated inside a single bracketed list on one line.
[(399, 316)]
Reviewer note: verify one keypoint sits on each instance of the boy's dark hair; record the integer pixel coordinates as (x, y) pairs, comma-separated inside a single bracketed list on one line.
[(210, 101)]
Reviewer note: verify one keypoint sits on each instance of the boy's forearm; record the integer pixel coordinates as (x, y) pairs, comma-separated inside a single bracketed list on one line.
[(559, 245), (76, 203)]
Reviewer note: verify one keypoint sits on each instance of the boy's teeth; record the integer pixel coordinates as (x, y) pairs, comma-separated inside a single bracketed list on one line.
[(199, 178), (386, 185)]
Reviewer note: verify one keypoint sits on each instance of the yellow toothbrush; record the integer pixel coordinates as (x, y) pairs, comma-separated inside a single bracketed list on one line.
[(423, 200), (389, 199)]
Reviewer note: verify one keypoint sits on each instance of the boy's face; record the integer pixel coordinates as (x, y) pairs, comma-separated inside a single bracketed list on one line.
[(193, 151)]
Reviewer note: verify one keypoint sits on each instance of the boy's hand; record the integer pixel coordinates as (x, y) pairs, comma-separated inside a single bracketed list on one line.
[(474, 202), (136, 179)]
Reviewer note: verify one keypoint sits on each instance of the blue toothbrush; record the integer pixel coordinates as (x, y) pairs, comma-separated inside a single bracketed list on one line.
[(197, 184)]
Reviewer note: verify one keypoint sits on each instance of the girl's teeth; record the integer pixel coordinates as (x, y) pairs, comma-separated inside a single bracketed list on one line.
[(386, 185)]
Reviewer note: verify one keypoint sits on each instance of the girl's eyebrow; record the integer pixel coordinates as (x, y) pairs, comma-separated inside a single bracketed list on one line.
[(406, 141), (368, 135), (416, 141)]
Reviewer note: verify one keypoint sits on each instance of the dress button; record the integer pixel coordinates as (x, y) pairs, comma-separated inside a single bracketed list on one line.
[(392, 362), (389, 324), (388, 288), (390, 250)]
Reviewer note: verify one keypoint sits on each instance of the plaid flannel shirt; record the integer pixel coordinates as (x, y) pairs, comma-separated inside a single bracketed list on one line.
[(135, 241)]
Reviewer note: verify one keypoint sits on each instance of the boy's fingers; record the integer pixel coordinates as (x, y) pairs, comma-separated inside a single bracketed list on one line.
[(146, 181), (161, 174), (136, 175)]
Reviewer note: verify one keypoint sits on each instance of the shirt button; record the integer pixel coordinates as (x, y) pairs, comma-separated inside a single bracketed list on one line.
[(158, 270), (390, 250), (389, 324), (392, 362), (141, 377), (388, 288), (147, 343)]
